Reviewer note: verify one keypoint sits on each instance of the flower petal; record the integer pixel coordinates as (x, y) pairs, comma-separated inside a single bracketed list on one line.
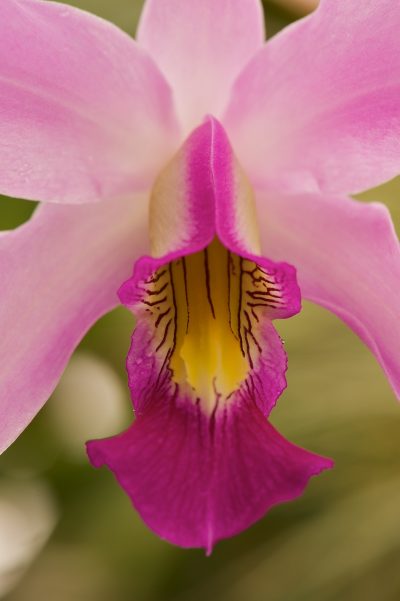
[(348, 260), (322, 99), (84, 113), (59, 273), (201, 46), (194, 479)]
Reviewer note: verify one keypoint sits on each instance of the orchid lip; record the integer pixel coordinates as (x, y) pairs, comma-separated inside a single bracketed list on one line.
[(205, 311), (206, 365), (203, 299)]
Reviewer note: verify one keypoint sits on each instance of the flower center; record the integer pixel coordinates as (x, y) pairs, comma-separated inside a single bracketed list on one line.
[(204, 309)]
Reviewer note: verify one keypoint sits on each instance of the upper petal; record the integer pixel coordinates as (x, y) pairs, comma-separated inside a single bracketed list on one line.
[(84, 113), (201, 46), (348, 260), (322, 99), (59, 273)]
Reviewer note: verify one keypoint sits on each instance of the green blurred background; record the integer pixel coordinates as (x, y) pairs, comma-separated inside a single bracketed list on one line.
[(68, 532)]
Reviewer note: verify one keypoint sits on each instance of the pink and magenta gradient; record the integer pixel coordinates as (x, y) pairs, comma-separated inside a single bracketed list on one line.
[(88, 120), (196, 477)]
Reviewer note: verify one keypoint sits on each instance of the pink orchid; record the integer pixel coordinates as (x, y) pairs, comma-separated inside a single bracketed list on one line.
[(105, 131)]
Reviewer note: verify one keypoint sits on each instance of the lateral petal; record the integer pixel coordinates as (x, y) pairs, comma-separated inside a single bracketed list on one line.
[(322, 100), (84, 114), (59, 273), (348, 260)]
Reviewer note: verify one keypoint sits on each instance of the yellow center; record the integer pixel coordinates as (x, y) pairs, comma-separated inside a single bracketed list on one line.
[(208, 354), (205, 313)]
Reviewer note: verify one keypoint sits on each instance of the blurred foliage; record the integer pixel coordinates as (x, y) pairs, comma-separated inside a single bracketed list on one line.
[(339, 542)]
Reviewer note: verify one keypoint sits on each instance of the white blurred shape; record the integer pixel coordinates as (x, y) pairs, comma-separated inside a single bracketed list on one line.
[(89, 402), (27, 518)]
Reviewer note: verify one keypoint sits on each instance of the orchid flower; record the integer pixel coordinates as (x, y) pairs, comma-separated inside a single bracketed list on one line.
[(222, 167)]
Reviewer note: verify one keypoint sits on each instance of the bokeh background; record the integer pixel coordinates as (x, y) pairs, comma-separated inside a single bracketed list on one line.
[(68, 532)]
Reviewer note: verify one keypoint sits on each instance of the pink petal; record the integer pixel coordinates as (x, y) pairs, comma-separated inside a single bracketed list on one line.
[(348, 260), (196, 479), (59, 274), (201, 45), (84, 113), (322, 100)]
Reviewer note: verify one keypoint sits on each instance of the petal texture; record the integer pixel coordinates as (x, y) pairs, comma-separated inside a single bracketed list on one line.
[(194, 480), (322, 100), (201, 46), (59, 273), (84, 113), (348, 260)]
